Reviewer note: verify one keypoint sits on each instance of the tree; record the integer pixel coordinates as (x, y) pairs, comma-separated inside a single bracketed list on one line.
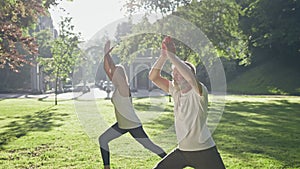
[(65, 53), (138, 44), (273, 28), (162, 6), (17, 47), (217, 19), (43, 39), (93, 52)]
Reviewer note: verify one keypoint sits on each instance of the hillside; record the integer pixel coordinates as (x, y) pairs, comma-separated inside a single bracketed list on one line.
[(268, 78)]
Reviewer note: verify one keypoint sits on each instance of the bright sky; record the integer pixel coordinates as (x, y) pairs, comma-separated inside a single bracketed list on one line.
[(89, 16)]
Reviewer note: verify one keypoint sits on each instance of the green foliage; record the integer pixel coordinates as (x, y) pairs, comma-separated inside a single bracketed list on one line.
[(65, 51), (93, 60), (274, 27), (43, 39), (238, 28), (16, 18), (162, 6), (133, 42), (219, 21), (143, 39)]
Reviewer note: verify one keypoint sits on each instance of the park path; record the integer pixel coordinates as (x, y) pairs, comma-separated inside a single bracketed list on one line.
[(95, 92)]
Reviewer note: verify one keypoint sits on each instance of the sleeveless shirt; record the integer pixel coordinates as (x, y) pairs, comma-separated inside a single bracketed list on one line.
[(124, 111), (190, 111)]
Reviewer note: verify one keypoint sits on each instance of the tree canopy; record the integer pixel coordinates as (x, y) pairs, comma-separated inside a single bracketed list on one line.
[(217, 19), (17, 17), (242, 30), (273, 28)]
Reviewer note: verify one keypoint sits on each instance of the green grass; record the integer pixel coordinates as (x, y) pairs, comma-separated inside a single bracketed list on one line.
[(260, 132), (269, 78), (254, 132)]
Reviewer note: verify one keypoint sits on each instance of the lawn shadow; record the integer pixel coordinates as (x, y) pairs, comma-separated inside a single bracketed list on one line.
[(269, 129), (47, 99), (43, 121), (162, 122), (150, 107), (163, 130), (10, 96)]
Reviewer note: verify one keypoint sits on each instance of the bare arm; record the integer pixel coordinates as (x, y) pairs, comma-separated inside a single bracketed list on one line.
[(109, 65), (182, 67), (155, 74)]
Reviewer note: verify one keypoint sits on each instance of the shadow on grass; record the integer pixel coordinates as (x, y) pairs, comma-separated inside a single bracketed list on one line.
[(43, 120), (47, 99), (270, 130), (163, 122), (148, 106), (154, 104), (10, 96)]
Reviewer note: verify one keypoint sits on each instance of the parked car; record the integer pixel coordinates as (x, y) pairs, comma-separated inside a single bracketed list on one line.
[(99, 83), (68, 88), (107, 86), (81, 88)]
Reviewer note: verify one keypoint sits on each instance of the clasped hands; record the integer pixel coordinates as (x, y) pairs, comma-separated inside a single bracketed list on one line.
[(167, 47)]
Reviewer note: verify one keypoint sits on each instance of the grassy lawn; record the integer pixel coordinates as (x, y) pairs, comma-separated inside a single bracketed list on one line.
[(264, 79), (254, 132)]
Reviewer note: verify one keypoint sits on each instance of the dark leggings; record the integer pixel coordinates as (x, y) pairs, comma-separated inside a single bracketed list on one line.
[(203, 159), (137, 133)]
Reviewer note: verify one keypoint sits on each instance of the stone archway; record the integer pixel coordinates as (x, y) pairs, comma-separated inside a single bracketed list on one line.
[(139, 71), (141, 76)]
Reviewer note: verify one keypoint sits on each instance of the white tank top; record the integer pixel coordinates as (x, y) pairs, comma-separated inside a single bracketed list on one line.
[(190, 111), (124, 111)]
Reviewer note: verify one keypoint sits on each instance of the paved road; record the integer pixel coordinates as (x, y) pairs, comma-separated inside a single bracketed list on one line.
[(94, 93)]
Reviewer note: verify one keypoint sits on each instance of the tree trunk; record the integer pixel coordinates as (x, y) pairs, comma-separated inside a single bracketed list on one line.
[(56, 86), (56, 79)]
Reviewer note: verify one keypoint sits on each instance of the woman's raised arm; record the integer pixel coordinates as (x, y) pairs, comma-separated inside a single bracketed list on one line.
[(109, 65)]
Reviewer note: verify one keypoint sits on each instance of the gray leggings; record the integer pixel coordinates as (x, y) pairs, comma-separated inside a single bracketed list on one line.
[(137, 133), (204, 159)]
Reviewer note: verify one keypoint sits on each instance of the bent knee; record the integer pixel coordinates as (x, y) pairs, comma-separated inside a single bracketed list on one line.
[(102, 140)]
